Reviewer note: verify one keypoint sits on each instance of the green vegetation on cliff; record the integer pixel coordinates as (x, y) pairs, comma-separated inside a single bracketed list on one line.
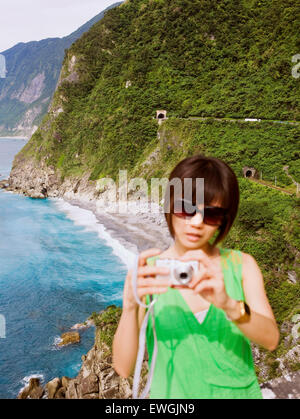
[(193, 58)]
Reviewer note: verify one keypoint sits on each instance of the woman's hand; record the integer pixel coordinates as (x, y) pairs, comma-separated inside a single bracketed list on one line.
[(146, 281), (209, 280)]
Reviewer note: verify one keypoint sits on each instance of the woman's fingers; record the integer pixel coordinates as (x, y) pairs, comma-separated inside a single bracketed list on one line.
[(206, 285), (152, 271), (151, 290), (198, 255), (148, 254), (147, 276), (199, 276), (153, 282)]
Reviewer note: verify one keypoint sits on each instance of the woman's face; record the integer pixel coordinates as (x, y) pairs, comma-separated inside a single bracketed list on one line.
[(192, 233)]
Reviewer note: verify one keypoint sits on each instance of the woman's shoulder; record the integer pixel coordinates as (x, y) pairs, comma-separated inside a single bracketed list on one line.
[(236, 255), (246, 260)]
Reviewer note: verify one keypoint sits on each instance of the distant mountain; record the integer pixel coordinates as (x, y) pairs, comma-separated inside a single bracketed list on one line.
[(33, 70)]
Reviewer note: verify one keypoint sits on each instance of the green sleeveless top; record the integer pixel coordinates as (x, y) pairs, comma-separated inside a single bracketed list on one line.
[(210, 360)]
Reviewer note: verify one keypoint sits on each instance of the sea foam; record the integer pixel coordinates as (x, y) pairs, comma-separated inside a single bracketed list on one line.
[(87, 219)]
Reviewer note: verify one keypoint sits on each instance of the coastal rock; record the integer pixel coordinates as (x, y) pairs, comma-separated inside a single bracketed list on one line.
[(69, 338), (33, 179), (89, 386), (52, 387), (4, 184), (65, 381), (285, 387), (85, 325), (38, 180), (32, 391), (36, 195), (61, 393), (97, 379), (71, 391)]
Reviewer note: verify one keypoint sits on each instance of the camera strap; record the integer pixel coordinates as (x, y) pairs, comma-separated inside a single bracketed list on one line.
[(142, 340)]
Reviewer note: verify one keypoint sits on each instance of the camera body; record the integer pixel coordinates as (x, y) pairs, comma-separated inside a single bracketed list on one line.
[(181, 273)]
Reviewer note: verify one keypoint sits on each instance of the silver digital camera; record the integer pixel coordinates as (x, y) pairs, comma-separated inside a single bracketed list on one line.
[(181, 273)]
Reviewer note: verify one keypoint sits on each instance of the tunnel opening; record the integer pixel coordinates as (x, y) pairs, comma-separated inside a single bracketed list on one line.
[(161, 115)]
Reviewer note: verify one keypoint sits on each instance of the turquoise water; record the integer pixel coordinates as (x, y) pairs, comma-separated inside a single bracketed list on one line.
[(54, 272)]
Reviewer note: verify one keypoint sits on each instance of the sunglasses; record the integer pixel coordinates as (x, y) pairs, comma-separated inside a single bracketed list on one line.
[(214, 216)]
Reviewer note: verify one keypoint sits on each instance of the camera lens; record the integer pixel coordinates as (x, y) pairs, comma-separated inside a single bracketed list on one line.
[(183, 274)]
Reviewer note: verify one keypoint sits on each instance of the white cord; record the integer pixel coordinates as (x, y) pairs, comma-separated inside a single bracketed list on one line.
[(142, 341)]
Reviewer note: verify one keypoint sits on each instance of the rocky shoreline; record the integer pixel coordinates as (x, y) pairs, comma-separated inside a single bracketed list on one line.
[(136, 232), (96, 378)]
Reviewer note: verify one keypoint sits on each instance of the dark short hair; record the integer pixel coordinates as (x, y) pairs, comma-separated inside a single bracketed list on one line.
[(220, 184)]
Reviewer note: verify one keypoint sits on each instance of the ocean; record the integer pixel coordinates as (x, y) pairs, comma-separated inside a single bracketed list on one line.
[(58, 265)]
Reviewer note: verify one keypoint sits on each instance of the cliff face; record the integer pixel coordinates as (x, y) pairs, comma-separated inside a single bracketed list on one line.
[(38, 180)]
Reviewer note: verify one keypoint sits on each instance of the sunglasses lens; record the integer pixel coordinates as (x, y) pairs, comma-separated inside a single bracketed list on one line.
[(214, 216), (184, 209)]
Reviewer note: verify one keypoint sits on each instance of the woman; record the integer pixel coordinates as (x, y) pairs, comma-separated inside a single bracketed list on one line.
[(204, 329)]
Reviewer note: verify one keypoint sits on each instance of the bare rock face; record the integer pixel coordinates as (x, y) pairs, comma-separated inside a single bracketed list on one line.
[(69, 74), (33, 179), (38, 180), (97, 379), (82, 326), (32, 391), (52, 387), (33, 91), (4, 184), (61, 393), (286, 387), (26, 123), (69, 338)]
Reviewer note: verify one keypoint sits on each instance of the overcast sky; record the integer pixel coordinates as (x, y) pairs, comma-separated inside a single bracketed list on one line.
[(33, 20)]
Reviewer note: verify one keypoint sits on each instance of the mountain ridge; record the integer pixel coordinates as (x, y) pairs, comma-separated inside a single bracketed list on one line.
[(24, 62)]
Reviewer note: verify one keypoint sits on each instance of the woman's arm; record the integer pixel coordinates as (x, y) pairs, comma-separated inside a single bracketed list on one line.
[(209, 283), (261, 328), (125, 344), (126, 339)]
